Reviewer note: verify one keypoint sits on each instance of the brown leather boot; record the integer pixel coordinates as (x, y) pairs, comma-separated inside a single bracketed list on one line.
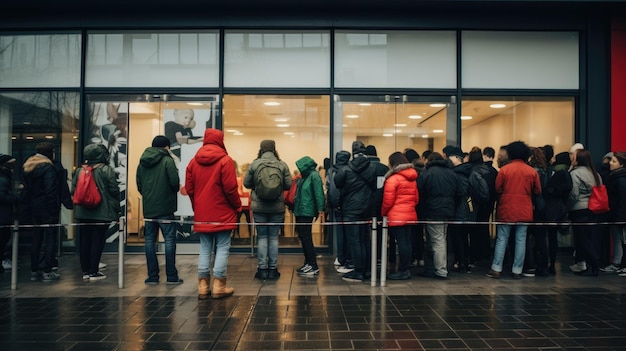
[(203, 288), (220, 289)]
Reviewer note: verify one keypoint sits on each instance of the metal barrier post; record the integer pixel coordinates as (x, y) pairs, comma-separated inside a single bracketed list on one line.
[(120, 252), (14, 257), (374, 240), (383, 254), (252, 232)]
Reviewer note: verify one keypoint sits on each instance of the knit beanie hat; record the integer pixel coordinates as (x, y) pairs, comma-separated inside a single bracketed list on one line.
[(160, 141), (577, 146), (268, 145)]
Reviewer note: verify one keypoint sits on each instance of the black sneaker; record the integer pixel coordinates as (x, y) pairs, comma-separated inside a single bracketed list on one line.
[(303, 268), (261, 273), (400, 275), (309, 270), (273, 273), (353, 277), (97, 276), (175, 281), (151, 281)]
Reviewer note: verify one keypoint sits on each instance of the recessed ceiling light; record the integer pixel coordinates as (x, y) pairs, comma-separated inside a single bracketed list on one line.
[(424, 135), (365, 104), (26, 122), (282, 125), (388, 135), (29, 138), (232, 130), (344, 125), (437, 105), (352, 116), (289, 133), (415, 117), (49, 137), (437, 130), (238, 133), (465, 118), (13, 137), (400, 125), (195, 103), (283, 119), (271, 103), (497, 105)]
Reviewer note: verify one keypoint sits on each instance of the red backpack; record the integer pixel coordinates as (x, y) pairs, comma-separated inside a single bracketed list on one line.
[(290, 196), (86, 193)]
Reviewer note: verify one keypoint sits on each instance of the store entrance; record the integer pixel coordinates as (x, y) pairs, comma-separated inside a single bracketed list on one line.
[(126, 125), (395, 122)]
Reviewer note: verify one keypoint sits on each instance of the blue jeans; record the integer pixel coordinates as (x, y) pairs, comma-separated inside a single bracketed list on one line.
[(267, 238), (502, 238), (436, 249), (207, 241), (151, 231)]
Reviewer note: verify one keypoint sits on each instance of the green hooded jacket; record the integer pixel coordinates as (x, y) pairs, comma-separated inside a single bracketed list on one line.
[(158, 182), (310, 198), (108, 210)]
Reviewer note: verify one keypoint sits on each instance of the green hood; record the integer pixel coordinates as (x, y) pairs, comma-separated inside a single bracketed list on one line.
[(152, 156), (306, 165)]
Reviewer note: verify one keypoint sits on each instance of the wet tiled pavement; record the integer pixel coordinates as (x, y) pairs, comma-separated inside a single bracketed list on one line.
[(467, 311)]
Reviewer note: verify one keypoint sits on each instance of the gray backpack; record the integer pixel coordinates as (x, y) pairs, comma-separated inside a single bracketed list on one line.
[(269, 181)]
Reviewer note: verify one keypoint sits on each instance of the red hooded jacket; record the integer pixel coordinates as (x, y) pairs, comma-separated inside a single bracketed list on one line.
[(211, 183), (400, 195)]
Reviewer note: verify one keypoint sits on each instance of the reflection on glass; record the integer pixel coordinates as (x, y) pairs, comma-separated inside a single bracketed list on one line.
[(300, 126)]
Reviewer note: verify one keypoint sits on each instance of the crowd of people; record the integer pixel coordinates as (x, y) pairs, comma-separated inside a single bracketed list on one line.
[(436, 203)]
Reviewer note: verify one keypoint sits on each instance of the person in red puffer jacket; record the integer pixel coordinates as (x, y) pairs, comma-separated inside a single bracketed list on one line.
[(400, 197), (211, 183)]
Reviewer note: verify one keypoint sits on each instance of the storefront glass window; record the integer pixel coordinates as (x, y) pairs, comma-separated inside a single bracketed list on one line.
[(300, 126), (171, 59), (277, 59), (27, 119), (28, 61), (395, 59), (497, 121)]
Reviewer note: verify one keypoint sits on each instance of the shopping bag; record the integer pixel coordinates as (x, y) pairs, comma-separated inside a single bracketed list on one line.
[(599, 200)]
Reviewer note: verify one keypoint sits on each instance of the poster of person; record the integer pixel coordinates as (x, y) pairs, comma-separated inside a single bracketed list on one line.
[(185, 129), (108, 125)]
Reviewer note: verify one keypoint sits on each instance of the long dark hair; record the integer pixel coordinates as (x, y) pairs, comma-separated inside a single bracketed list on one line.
[(583, 159), (261, 152)]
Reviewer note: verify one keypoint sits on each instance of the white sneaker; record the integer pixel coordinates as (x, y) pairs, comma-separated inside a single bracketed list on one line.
[(344, 269), (6, 263), (50, 276), (102, 265), (97, 276), (336, 263), (578, 267)]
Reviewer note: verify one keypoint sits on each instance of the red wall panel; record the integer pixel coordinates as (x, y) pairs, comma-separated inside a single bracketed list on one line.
[(618, 85)]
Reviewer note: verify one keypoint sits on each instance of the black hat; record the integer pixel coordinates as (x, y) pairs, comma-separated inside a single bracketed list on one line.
[(562, 158), (455, 151), (268, 145), (6, 158), (370, 150), (411, 154), (160, 141)]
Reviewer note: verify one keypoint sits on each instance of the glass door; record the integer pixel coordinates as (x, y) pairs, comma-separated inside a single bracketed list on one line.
[(395, 122), (126, 125)]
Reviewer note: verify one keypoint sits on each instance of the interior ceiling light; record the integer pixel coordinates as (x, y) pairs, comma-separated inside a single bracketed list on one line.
[(195, 103), (271, 103), (284, 119), (365, 104), (289, 133), (49, 137), (29, 138), (424, 135), (352, 116), (388, 135), (238, 133), (437, 130), (465, 118), (282, 125), (232, 130), (400, 125), (415, 117), (437, 105), (497, 105)]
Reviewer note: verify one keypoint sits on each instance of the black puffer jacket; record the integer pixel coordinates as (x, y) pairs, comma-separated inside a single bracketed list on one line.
[(616, 187), (357, 182), (377, 197), (438, 188), (8, 199), (40, 197), (556, 192)]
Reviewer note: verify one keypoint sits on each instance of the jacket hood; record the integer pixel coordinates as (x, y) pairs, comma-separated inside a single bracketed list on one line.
[(95, 153), (213, 148), (618, 173), (438, 163), (35, 161), (358, 147), (464, 169), (404, 169), (341, 158), (152, 156), (306, 165)]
